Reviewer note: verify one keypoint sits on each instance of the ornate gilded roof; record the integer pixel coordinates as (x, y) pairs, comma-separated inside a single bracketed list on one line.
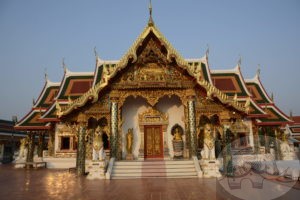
[(131, 55)]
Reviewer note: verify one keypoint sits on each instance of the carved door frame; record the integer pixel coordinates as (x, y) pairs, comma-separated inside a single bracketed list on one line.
[(161, 155), (153, 117)]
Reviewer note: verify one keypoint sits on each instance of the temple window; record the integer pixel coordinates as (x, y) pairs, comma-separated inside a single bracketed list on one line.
[(65, 143)]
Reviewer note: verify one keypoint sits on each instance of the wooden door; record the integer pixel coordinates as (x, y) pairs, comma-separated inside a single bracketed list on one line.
[(153, 142)]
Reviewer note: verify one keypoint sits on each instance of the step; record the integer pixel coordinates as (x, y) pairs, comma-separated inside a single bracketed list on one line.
[(117, 170), (162, 177), (143, 163), (154, 169), (173, 166), (156, 174)]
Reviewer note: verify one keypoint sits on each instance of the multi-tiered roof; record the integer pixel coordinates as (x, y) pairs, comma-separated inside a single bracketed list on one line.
[(78, 88)]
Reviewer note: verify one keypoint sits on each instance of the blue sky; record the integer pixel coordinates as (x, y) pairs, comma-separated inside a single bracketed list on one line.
[(36, 34)]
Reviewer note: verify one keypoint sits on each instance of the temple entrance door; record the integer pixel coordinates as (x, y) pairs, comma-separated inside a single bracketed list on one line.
[(153, 142)]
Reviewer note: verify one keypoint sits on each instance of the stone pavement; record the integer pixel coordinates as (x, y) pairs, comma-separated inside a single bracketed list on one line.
[(44, 184)]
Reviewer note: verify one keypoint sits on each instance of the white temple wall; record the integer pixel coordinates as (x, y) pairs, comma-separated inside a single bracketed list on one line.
[(130, 111), (248, 122), (175, 110), (133, 107), (56, 142)]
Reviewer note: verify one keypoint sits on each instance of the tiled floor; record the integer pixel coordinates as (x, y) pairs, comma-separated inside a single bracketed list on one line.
[(44, 184)]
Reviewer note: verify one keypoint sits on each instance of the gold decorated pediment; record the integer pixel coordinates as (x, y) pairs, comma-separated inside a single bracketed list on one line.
[(153, 117), (239, 127), (66, 130), (151, 62)]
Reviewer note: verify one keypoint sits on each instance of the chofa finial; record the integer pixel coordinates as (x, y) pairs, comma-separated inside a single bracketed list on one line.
[(291, 114), (272, 96), (240, 61), (95, 51), (64, 65), (207, 51), (258, 70), (46, 75)]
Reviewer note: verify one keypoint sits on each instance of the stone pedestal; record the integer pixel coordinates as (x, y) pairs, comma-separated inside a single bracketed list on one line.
[(210, 168), (36, 158), (96, 170), (129, 157), (289, 156), (20, 162), (178, 148)]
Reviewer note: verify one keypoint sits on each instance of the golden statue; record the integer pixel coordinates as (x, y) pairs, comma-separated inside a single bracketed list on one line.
[(177, 142), (177, 135), (98, 151), (129, 138), (23, 148), (208, 151)]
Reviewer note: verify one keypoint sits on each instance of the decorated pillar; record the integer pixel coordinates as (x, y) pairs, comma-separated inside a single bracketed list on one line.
[(114, 129), (192, 122), (114, 97), (228, 165), (278, 153), (30, 151), (41, 144), (256, 139), (80, 161)]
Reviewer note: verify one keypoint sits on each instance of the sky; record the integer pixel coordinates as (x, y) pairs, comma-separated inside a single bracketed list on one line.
[(35, 36)]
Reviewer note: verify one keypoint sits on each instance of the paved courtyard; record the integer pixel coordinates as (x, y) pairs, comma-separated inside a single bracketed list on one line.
[(44, 184)]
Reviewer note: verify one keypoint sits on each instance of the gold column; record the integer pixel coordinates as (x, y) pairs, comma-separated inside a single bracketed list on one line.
[(41, 144), (192, 122), (80, 161), (114, 124), (30, 151)]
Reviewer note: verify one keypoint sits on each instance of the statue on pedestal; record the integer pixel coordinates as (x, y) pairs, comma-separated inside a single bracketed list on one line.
[(285, 149), (129, 139), (177, 141), (22, 157), (98, 150), (208, 151), (23, 149), (129, 144)]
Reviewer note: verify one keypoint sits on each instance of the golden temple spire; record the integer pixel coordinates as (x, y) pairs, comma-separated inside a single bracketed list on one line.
[(150, 22)]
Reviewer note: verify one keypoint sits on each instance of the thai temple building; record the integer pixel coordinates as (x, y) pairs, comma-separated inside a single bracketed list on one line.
[(151, 105)]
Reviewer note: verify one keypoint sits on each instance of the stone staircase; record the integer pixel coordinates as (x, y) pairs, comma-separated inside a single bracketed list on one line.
[(154, 169)]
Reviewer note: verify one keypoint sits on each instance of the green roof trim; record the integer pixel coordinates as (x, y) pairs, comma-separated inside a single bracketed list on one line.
[(28, 123), (42, 103), (256, 111), (258, 88), (243, 91), (205, 72), (280, 118), (99, 74), (66, 84), (51, 113)]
